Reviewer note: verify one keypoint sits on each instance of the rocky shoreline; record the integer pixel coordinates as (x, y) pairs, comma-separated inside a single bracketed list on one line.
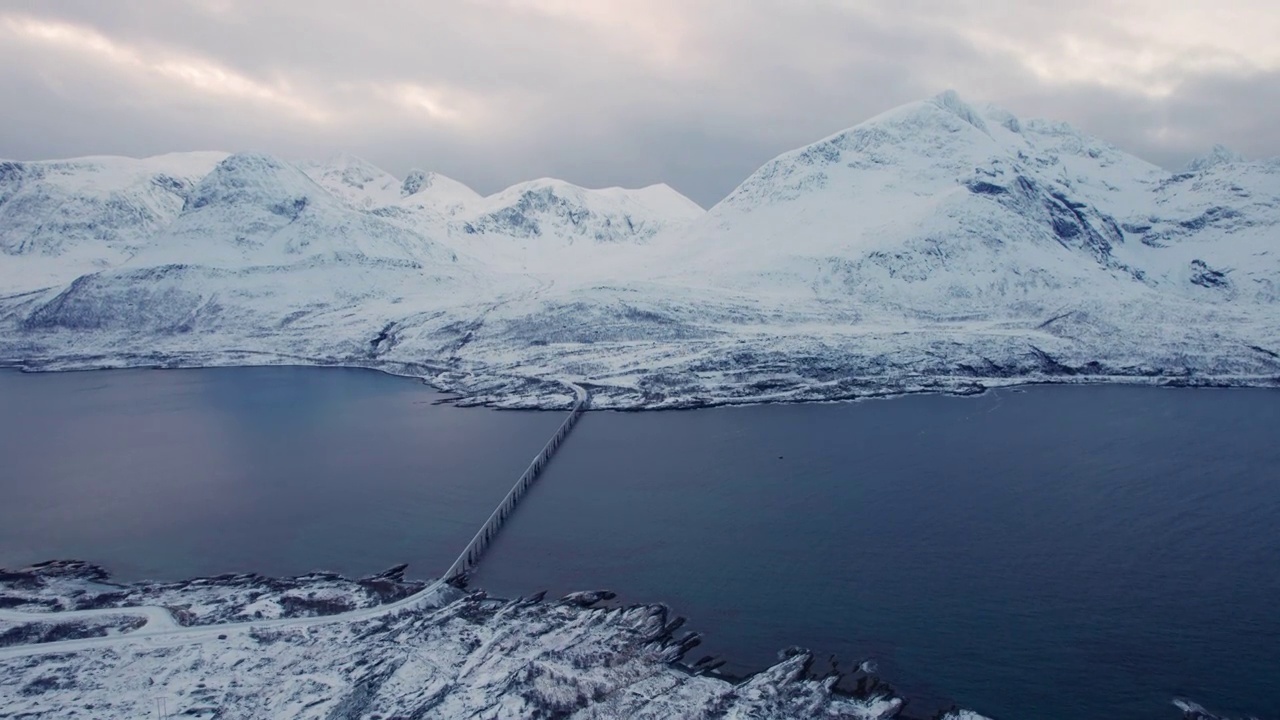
[(571, 657), (531, 657)]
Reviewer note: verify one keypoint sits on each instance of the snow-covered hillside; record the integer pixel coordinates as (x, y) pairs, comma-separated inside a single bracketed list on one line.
[(931, 210), (936, 246), (255, 210), (354, 180), (63, 218)]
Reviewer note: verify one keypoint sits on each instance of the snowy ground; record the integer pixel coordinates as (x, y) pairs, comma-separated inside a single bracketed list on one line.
[(458, 655), (468, 656)]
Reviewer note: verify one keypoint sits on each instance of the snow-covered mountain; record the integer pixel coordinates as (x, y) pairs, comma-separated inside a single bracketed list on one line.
[(939, 210), (63, 218), (254, 210), (354, 180), (528, 226), (429, 190), (557, 209), (259, 245), (551, 226), (935, 246)]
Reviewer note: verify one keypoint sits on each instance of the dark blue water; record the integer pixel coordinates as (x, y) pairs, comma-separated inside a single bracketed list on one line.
[(1059, 553), (180, 473)]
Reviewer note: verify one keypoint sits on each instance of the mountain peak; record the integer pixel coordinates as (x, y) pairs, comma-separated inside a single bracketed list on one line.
[(253, 178), (1219, 155), (353, 180), (951, 101), (429, 188)]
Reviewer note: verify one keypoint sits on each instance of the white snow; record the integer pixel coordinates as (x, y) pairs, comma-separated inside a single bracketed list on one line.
[(454, 657), (354, 180), (937, 246), (62, 218)]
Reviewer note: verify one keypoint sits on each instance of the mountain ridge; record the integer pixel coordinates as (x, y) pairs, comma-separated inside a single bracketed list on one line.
[(939, 245)]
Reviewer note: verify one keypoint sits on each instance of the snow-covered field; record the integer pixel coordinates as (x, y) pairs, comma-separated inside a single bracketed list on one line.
[(935, 247)]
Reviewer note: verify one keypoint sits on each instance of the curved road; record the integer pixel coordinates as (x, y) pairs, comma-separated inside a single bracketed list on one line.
[(161, 629)]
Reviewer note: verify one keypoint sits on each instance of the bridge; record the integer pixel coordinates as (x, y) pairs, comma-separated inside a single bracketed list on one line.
[(474, 550), (161, 629)]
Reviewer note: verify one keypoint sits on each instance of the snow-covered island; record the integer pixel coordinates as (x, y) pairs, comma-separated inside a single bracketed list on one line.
[(938, 246)]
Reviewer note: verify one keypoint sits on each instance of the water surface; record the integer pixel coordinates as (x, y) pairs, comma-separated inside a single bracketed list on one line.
[(169, 474), (1053, 553), (1056, 553)]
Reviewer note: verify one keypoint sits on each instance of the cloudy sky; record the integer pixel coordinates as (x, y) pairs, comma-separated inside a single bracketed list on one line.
[(695, 93)]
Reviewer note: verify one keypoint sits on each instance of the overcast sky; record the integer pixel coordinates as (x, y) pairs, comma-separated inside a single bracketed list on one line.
[(695, 93)]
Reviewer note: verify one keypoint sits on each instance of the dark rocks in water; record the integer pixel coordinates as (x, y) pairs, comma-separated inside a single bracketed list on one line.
[(395, 573), (1193, 711), (667, 630), (36, 575), (688, 642), (588, 598), (707, 664)]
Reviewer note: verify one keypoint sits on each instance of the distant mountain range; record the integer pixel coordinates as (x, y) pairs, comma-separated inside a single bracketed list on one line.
[(937, 246)]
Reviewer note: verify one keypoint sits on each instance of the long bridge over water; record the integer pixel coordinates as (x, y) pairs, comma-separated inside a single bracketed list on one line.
[(472, 553)]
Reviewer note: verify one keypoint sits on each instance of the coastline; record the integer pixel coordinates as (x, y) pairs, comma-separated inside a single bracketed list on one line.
[(476, 388), (602, 658)]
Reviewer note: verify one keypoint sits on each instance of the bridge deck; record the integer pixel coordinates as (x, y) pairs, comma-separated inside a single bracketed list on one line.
[(474, 550)]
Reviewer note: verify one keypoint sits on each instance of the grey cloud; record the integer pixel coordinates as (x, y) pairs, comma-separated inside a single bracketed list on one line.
[(696, 94)]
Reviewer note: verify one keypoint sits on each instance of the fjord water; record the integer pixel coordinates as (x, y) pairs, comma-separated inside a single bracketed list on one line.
[(1054, 553), (170, 474), (1058, 553)]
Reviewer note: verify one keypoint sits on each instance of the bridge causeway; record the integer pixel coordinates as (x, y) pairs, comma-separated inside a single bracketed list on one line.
[(475, 549)]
